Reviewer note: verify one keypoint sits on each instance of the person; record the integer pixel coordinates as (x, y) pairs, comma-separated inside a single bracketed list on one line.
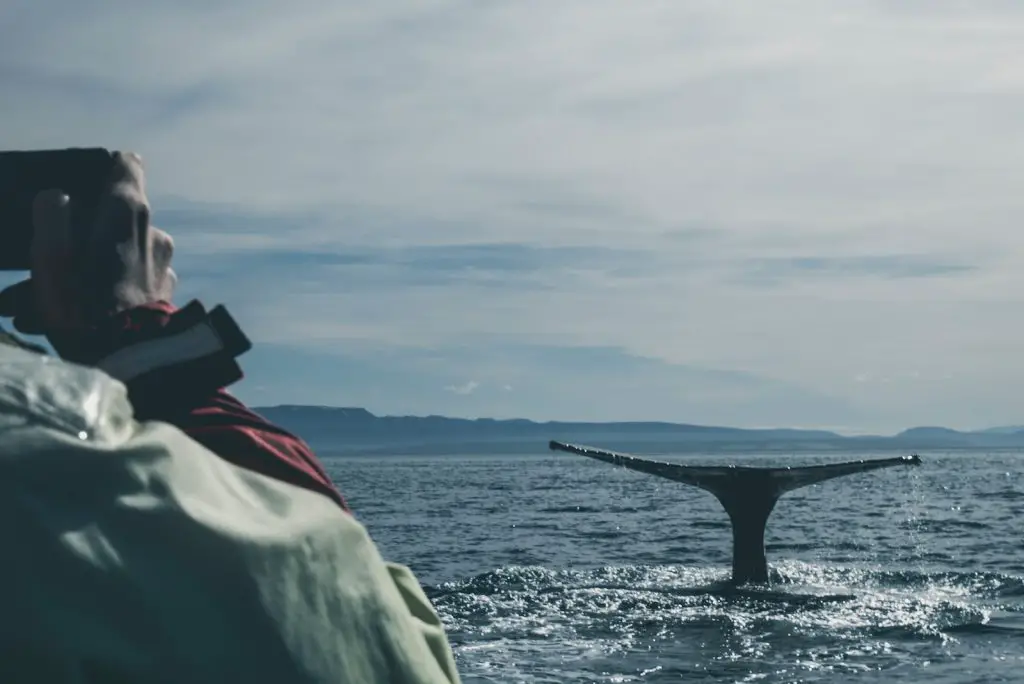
[(158, 530)]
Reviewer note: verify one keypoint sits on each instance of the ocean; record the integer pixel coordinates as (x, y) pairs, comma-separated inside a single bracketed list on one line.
[(555, 568)]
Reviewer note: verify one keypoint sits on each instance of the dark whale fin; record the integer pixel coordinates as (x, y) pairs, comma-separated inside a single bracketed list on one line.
[(747, 494)]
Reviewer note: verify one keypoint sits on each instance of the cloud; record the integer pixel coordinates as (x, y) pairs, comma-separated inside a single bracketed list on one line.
[(891, 266), (601, 379), (704, 185), (506, 259), (464, 389)]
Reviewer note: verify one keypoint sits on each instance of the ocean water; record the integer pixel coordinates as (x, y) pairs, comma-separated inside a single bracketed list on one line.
[(556, 568)]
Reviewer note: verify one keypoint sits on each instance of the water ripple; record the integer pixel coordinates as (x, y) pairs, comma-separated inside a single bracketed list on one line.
[(557, 569)]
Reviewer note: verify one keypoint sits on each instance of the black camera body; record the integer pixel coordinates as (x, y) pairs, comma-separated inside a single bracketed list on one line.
[(81, 173)]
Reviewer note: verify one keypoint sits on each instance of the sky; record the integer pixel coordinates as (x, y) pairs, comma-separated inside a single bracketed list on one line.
[(756, 214)]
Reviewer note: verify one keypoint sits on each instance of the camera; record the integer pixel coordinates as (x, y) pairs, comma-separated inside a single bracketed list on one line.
[(81, 173)]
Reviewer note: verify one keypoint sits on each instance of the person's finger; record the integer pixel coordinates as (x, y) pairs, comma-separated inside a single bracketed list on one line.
[(124, 245), (51, 236), (123, 214), (53, 260), (51, 224), (128, 168), (162, 249)]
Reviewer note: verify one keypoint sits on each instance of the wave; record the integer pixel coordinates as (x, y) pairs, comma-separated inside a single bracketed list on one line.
[(814, 623), (871, 602)]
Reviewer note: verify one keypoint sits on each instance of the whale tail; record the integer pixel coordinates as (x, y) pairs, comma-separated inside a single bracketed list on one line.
[(747, 494)]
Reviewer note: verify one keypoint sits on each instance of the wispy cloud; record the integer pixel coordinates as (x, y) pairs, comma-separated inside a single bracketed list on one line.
[(601, 379), (464, 389), (890, 266)]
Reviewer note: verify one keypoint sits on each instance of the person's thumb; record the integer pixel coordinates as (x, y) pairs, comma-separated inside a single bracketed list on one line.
[(41, 300), (54, 262), (51, 228)]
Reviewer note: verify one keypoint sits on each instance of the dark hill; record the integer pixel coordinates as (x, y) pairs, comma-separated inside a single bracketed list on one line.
[(356, 430)]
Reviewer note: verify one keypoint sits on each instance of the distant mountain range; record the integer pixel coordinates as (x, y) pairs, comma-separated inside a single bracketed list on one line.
[(357, 431)]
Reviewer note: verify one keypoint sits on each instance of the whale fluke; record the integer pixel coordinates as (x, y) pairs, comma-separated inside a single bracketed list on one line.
[(748, 494)]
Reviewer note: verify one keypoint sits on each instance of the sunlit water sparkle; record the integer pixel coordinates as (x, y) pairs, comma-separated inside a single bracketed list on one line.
[(554, 568)]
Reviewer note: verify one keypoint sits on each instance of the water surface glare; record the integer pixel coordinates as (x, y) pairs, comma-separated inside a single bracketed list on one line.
[(555, 568)]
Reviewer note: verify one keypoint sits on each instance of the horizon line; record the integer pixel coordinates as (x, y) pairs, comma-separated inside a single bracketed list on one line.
[(839, 431)]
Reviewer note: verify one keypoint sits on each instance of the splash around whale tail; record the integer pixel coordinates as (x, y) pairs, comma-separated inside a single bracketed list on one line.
[(748, 494)]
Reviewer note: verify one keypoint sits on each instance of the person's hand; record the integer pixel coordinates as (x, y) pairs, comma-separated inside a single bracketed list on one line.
[(84, 273)]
